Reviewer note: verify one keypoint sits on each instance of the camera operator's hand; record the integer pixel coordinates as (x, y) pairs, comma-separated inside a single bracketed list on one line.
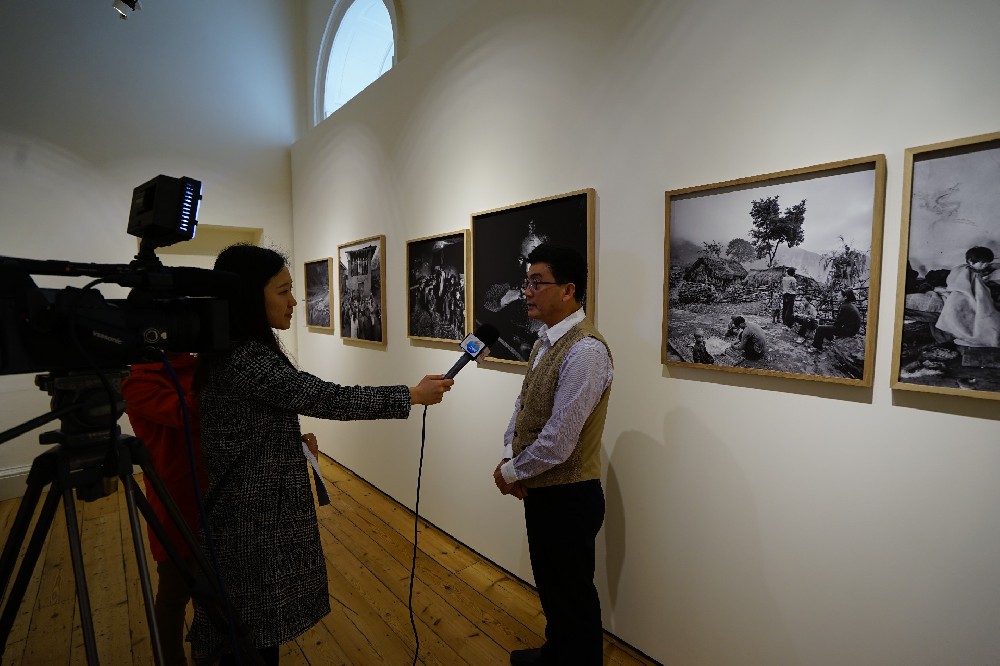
[(430, 390)]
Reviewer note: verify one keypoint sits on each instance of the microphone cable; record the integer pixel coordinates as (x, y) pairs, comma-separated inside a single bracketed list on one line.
[(416, 524)]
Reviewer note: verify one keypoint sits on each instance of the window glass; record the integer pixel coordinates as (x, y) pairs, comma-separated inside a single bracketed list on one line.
[(362, 51)]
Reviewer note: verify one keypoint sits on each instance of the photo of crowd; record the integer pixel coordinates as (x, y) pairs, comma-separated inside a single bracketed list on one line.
[(436, 270), (362, 295)]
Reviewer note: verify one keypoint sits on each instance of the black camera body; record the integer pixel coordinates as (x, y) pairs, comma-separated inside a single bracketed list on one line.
[(167, 309)]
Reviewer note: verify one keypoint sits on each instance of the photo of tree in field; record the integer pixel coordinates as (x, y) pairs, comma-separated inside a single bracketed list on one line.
[(948, 310), (777, 274)]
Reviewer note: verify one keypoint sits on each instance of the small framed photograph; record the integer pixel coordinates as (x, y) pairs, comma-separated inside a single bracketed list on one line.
[(777, 274), (501, 241), (319, 293), (947, 325), (362, 290), (437, 269)]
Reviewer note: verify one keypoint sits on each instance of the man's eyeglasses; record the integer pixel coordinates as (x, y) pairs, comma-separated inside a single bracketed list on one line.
[(534, 284)]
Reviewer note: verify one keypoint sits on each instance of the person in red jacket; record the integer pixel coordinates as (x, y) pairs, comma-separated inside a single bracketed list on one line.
[(154, 410)]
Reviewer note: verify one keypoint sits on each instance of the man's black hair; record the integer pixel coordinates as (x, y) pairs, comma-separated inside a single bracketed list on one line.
[(567, 265)]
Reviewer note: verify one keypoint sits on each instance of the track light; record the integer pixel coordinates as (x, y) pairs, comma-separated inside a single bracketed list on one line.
[(122, 5)]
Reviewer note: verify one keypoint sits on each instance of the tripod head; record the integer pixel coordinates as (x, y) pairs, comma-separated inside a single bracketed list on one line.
[(89, 406)]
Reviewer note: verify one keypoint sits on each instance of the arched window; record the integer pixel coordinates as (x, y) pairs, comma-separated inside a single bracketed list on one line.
[(358, 47)]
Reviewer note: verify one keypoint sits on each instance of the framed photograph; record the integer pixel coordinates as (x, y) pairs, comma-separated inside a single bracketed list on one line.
[(319, 293), (437, 268), (777, 274), (362, 290), (947, 326), (501, 241)]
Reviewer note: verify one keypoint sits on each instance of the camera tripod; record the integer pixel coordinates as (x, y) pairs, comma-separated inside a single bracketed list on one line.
[(91, 457)]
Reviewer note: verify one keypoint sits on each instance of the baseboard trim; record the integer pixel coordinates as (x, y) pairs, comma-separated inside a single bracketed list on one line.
[(13, 482)]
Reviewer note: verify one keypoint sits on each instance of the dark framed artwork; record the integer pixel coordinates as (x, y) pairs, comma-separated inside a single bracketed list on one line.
[(437, 269), (777, 274), (361, 265), (947, 325), (501, 240), (319, 293)]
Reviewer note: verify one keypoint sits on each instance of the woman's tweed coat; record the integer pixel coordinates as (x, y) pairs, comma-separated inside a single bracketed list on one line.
[(261, 513)]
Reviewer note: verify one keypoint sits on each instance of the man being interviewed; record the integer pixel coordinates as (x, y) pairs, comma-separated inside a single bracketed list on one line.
[(552, 457)]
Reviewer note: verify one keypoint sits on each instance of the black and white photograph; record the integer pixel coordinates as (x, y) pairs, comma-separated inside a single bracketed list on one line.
[(777, 274), (362, 290), (319, 290), (437, 269), (948, 305), (502, 239)]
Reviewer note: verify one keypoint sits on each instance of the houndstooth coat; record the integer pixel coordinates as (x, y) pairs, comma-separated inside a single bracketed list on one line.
[(262, 518)]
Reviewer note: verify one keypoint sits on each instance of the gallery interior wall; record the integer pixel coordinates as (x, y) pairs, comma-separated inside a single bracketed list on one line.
[(94, 106), (750, 520)]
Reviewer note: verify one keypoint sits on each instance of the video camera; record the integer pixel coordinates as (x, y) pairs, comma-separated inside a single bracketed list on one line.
[(167, 309)]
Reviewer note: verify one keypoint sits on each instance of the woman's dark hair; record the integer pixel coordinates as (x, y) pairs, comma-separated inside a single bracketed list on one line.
[(255, 267), (567, 266), (849, 296)]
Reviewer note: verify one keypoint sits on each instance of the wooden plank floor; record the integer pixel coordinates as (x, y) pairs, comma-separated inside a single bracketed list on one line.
[(467, 610)]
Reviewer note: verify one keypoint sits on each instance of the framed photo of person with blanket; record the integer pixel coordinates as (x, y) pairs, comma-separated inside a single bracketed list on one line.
[(777, 274), (947, 337), (502, 239)]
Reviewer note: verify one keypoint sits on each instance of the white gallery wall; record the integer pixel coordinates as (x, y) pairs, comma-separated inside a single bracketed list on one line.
[(93, 106), (750, 520)]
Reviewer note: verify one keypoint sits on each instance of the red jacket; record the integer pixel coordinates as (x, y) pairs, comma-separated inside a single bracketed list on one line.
[(154, 410)]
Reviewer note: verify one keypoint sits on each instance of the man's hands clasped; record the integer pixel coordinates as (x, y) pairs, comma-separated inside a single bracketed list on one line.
[(516, 489)]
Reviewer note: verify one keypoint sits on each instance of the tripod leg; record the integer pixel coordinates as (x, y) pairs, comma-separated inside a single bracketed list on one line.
[(82, 596), (208, 592), (23, 578), (140, 558), (15, 538)]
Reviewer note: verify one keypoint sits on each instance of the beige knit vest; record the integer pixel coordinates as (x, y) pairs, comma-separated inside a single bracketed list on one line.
[(537, 397)]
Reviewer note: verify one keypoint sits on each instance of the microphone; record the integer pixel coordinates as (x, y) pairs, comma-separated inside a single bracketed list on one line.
[(474, 345)]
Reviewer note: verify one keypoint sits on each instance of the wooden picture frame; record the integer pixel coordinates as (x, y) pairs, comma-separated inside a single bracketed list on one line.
[(501, 240), (319, 293), (437, 272), (728, 248), (947, 321), (361, 267)]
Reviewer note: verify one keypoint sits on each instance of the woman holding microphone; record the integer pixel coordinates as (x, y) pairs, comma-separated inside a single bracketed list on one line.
[(261, 513)]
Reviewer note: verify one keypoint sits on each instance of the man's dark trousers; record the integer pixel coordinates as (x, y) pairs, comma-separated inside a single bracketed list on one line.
[(562, 525)]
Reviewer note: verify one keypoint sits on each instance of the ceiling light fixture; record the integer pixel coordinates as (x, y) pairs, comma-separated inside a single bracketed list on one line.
[(122, 5)]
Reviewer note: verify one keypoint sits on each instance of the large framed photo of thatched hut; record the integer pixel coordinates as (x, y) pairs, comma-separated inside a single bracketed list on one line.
[(362, 290), (436, 271), (947, 326), (777, 274), (319, 293), (502, 239)]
